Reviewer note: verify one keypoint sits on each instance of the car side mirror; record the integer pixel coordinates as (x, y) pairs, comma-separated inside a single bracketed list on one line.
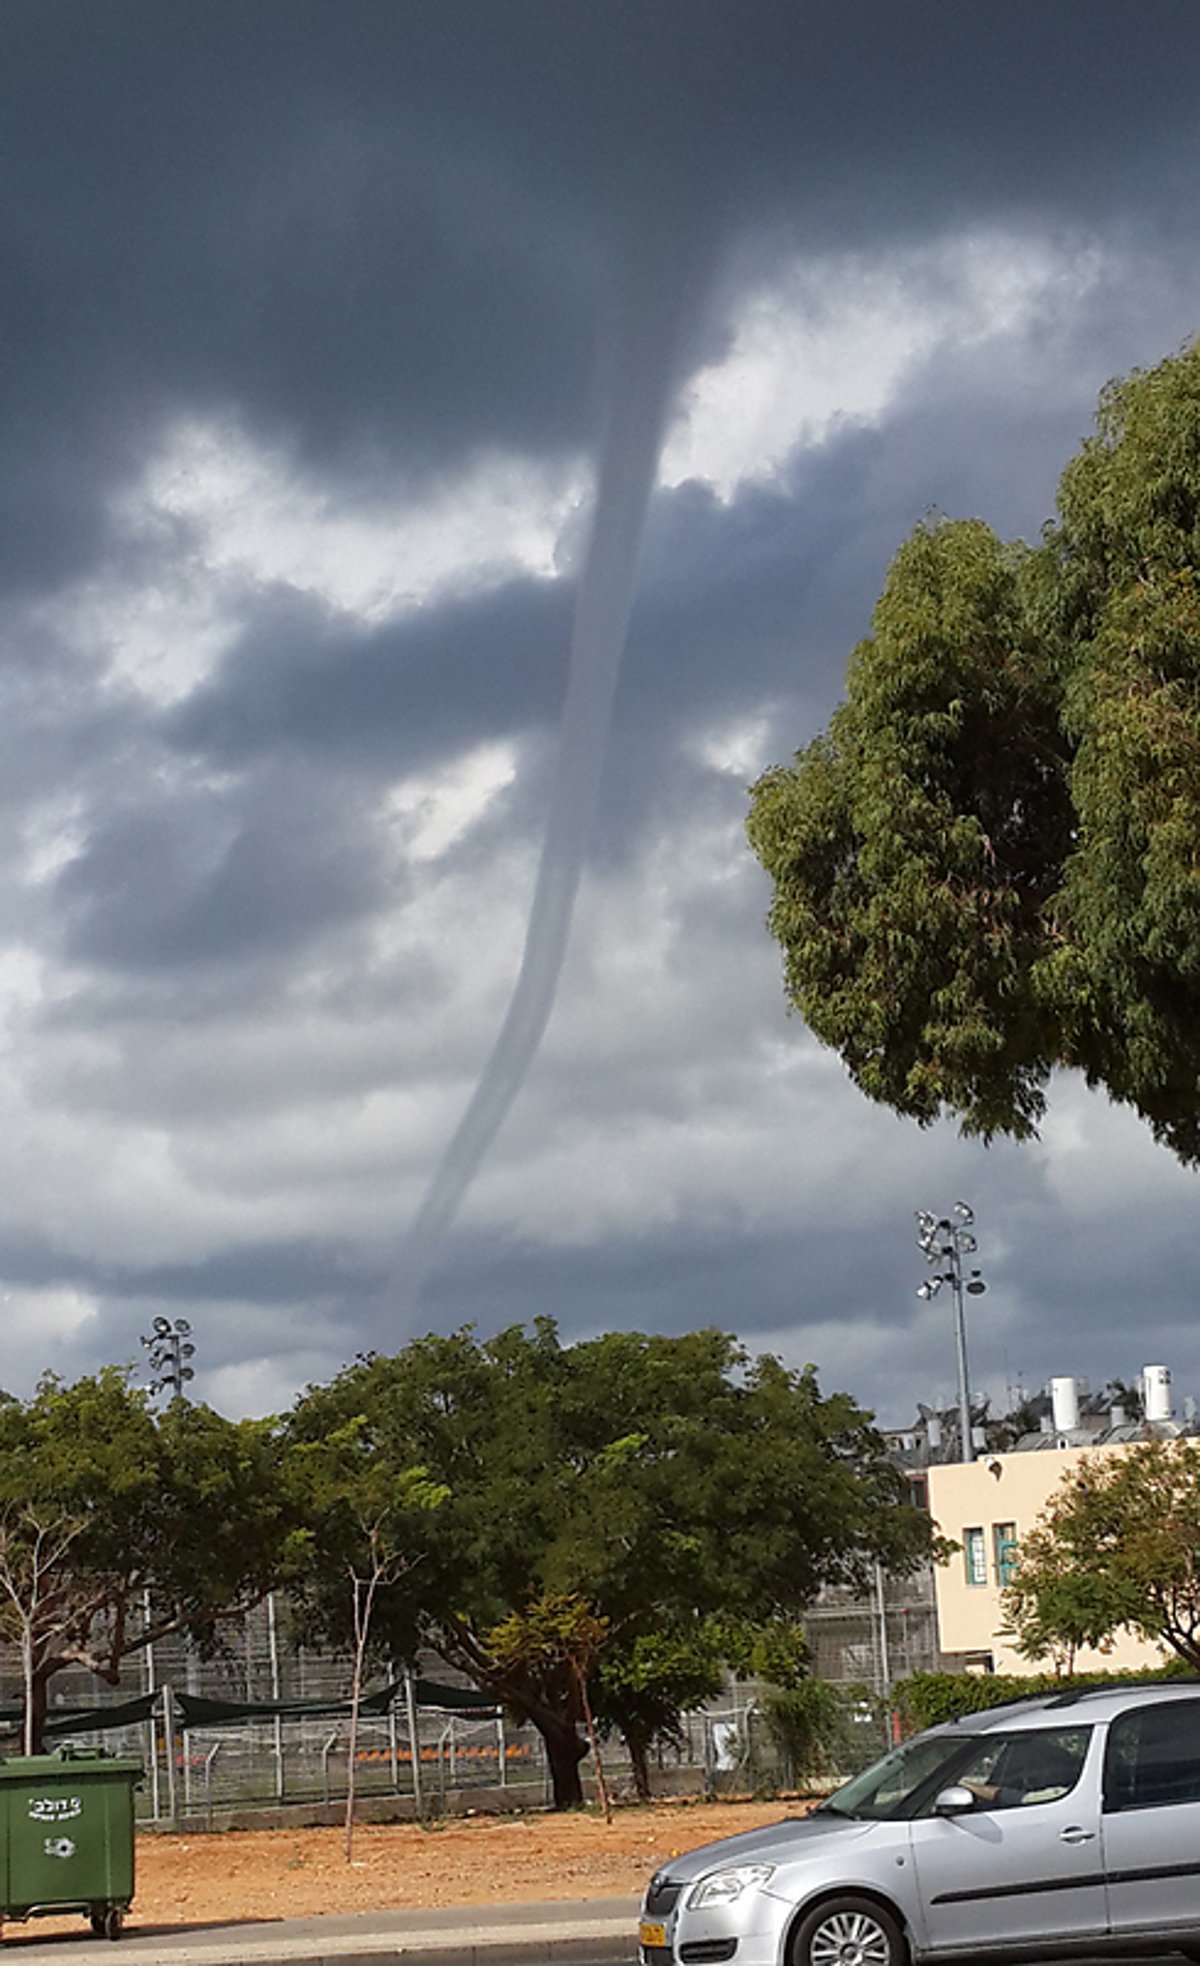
[(953, 1801)]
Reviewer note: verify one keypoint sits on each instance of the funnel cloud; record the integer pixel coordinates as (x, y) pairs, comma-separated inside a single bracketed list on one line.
[(658, 294)]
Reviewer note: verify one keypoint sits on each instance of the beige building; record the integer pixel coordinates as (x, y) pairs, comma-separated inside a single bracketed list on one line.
[(986, 1506)]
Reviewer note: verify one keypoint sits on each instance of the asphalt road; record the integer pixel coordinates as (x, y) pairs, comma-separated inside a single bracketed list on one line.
[(597, 1932)]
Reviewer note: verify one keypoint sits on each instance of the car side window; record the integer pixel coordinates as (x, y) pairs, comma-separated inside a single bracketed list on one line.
[(1012, 1771), (1153, 1756)]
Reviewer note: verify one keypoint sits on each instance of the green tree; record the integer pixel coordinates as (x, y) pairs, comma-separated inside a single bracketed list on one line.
[(557, 1637), (986, 868), (647, 1680), (1001, 1435), (121, 1525), (657, 1480), (807, 1720), (1117, 1548), (808, 1725)]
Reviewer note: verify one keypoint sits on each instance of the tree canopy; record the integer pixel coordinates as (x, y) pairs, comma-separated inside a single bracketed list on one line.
[(589, 1531), (1117, 1548), (656, 1481), (989, 865), (119, 1524)]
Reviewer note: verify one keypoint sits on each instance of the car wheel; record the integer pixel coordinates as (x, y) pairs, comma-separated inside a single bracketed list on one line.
[(848, 1932)]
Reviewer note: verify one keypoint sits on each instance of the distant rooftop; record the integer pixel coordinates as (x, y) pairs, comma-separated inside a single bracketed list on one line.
[(1066, 1413)]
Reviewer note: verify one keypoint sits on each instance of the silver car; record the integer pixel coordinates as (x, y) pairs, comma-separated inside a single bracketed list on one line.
[(1067, 1821)]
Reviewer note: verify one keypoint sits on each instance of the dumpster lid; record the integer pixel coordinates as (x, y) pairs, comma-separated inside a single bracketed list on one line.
[(76, 1762)]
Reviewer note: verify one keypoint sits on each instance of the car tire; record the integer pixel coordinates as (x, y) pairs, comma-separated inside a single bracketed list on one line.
[(848, 1931)]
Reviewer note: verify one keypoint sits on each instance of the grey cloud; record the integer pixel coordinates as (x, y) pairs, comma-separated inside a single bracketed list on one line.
[(382, 239), (385, 700), (203, 875)]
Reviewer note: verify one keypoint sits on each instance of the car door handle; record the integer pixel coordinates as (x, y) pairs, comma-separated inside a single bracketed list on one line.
[(1075, 1835)]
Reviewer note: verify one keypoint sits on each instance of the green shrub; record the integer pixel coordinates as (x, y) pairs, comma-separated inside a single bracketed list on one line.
[(927, 1699), (818, 1730)]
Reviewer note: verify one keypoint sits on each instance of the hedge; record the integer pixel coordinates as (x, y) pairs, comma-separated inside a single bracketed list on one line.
[(926, 1699)]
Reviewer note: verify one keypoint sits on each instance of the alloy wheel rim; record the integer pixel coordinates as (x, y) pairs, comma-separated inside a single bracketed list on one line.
[(849, 1938)]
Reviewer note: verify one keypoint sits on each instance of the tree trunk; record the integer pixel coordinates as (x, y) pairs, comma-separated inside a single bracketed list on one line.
[(639, 1763), (360, 1645), (553, 1708), (564, 1751), (35, 1712), (27, 1688), (594, 1745)]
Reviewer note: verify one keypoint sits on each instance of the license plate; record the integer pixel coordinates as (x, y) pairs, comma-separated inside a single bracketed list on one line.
[(651, 1935)]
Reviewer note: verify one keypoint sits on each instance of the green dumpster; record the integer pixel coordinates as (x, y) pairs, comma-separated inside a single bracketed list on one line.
[(66, 1836)]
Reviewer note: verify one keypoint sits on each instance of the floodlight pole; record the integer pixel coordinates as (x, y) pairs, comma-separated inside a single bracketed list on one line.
[(169, 1347), (967, 1444), (946, 1240)]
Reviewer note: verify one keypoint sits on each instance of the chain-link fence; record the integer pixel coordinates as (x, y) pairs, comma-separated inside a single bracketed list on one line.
[(428, 1759)]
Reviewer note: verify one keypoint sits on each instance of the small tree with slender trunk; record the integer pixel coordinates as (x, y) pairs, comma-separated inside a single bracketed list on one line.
[(646, 1681), (383, 1566), (362, 1518), (42, 1595)]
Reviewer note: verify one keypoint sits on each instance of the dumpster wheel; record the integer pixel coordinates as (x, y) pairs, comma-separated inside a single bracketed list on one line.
[(109, 1923)]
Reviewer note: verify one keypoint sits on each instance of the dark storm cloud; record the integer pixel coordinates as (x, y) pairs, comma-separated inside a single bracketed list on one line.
[(263, 1273), (379, 233), (386, 699), (734, 598), (754, 602), (1061, 1296), (268, 1273)]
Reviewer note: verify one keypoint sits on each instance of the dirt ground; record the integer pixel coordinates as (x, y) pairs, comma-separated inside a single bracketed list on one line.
[(297, 1873)]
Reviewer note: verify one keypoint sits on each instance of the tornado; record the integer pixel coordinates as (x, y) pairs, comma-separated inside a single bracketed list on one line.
[(659, 287)]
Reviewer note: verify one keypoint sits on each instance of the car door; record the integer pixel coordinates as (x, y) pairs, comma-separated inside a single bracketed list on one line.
[(1024, 1863), (1151, 1820)]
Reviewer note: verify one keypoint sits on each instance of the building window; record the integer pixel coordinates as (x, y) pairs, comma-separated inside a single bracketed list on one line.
[(975, 1553), (1004, 1551)]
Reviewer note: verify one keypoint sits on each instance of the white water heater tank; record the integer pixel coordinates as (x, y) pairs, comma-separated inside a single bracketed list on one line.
[(1064, 1399), (1156, 1391)]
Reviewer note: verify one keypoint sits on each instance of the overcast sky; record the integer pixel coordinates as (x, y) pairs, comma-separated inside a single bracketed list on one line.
[(313, 319)]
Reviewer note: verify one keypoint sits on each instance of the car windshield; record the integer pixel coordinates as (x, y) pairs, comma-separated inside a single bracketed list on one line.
[(885, 1787), (1002, 1771)]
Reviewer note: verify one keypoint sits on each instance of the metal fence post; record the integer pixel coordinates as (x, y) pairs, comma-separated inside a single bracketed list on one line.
[(151, 1724), (273, 1648), (410, 1701), (169, 1732)]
